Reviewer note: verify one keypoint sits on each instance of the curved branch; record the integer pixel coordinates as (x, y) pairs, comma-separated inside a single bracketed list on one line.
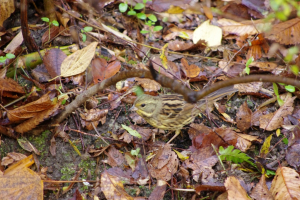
[(188, 94)]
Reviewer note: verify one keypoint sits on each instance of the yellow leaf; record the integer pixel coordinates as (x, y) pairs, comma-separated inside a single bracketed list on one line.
[(182, 157), (163, 56), (265, 147), (75, 148), (210, 33), (77, 62), (277, 132), (175, 10)]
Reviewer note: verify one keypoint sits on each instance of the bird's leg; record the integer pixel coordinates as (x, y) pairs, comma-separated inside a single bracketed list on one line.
[(153, 135), (177, 132)]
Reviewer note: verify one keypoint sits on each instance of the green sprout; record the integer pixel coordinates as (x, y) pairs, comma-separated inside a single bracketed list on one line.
[(84, 31), (133, 11), (54, 22)]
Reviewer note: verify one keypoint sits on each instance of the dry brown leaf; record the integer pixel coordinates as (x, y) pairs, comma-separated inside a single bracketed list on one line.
[(113, 188), (274, 120), (93, 116), (37, 119), (286, 184), (234, 189), (179, 45), (115, 158), (201, 162), (257, 114), (30, 110), (244, 141), (261, 190), (7, 7), (12, 157), (148, 84), (14, 44), (249, 87), (26, 145), (286, 32), (243, 117), (174, 31), (164, 164), (53, 60), (19, 182), (190, 70), (77, 62), (7, 86), (159, 190), (243, 28)]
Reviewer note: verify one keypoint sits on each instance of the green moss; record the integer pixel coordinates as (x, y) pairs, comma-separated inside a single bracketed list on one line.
[(87, 165), (39, 142), (67, 172)]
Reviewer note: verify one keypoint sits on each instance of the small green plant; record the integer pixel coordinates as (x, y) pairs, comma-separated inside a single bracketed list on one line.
[(279, 100), (54, 22), (283, 8), (235, 155), (247, 69), (136, 152), (289, 88), (7, 56), (292, 51), (84, 31), (150, 20)]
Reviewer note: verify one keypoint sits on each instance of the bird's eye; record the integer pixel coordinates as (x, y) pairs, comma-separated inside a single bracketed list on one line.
[(143, 105)]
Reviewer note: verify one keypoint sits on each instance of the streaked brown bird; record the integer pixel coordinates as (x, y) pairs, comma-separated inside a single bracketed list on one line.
[(171, 112)]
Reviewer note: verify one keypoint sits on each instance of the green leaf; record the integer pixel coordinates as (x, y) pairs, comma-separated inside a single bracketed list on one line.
[(139, 6), (135, 152), (10, 56), (88, 29), (144, 31), (131, 131), (247, 70), (83, 37), (141, 16), (295, 70), (131, 12), (55, 23), (235, 155), (290, 88), (280, 101), (249, 61), (2, 59), (157, 28), (270, 173), (152, 18), (144, 1), (123, 7), (275, 88), (184, 35), (285, 141), (45, 19), (138, 90)]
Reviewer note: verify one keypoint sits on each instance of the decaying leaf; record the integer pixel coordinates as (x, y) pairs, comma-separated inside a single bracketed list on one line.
[(273, 121), (243, 117), (234, 189), (19, 182), (113, 188), (164, 164), (286, 184)]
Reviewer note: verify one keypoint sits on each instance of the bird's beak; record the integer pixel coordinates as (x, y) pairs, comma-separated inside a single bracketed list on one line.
[(133, 108)]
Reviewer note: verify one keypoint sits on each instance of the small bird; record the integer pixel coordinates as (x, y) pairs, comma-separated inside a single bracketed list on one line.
[(171, 111)]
